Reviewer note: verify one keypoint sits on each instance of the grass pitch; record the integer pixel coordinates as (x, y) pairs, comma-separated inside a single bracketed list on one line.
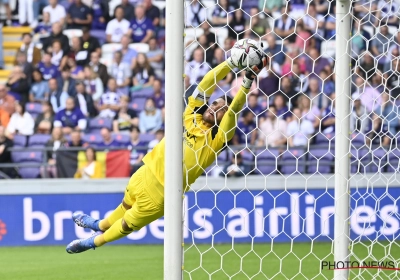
[(238, 262)]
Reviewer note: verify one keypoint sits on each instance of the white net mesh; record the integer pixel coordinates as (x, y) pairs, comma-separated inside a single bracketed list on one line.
[(264, 209)]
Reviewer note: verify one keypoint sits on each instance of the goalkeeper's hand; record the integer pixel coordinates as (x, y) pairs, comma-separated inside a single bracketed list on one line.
[(253, 72)]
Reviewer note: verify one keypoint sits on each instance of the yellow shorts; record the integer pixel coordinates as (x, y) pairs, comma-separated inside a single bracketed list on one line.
[(143, 193)]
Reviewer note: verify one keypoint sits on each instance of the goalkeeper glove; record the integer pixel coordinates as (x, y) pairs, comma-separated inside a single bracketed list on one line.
[(253, 72)]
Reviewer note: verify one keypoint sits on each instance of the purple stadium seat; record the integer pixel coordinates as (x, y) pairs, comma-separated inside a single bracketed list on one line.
[(248, 157), (38, 140), (293, 161), (100, 35), (92, 139), (320, 160), (19, 141), (357, 139), (96, 124), (359, 160), (394, 160), (33, 108), (379, 160), (147, 137), (122, 138), (267, 161), (223, 158), (32, 156), (144, 92), (29, 172), (138, 103), (322, 138)]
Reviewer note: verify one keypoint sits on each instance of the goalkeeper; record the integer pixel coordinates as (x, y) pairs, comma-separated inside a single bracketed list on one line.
[(207, 130)]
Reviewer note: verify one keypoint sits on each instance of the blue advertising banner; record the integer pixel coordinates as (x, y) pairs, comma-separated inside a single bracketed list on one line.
[(262, 216)]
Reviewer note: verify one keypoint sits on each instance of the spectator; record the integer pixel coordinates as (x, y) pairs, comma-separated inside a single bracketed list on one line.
[(311, 113), (56, 34), (40, 88), (56, 11), (328, 86), (150, 119), (92, 168), (387, 12), (48, 70), (137, 147), (366, 66), (26, 67), (359, 117), (25, 13), (393, 78), (317, 97), (299, 82), (4, 118), (129, 54), (257, 27), (270, 6), (141, 27), (328, 118), (18, 84), (218, 57), (159, 136), (272, 130), (314, 23), (75, 70), (288, 92), (359, 40), (57, 141), (277, 51), (76, 140), (252, 104), (196, 69), (236, 168), (125, 117), (221, 13), (196, 14), (81, 56), (143, 75), (152, 12), (155, 56), (70, 118), (388, 112), (282, 110), (93, 84), (5, 154), (120, 71), (89, 43), (6, 4), (117, 27), (158, 95), (246, 133), (378, 134), (108, 140), (66, 83), (128, 9), (109, 104), (58, 57), (21, 122), (284, 26), (299, 130), (85, 101), (99, 68), (316, 64), (370, 97), (330, 24), (44, 121), (380, 46), (303, 40), (58, 98), (101, 15), (44, 27), (79, 15), (236, 25), (33, 54)]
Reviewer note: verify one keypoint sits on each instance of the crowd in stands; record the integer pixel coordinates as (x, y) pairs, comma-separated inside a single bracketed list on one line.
[(64, 90)]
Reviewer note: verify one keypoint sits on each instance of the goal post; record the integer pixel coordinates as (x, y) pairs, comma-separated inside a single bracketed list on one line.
[(173, 192), (342, 137)]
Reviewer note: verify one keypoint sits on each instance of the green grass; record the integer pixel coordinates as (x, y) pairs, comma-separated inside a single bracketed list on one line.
[(263, 261)]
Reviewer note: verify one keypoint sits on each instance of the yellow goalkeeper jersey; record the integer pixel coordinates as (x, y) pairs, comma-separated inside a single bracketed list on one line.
[(201, 144)]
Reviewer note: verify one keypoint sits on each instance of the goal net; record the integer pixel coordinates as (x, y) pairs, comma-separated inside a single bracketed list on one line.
[(266, 208)]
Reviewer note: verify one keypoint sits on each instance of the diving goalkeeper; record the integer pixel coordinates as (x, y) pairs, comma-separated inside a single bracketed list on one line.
[(207, 130)]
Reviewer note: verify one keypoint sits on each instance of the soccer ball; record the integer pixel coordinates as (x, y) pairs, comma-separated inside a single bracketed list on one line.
[(246, 53)]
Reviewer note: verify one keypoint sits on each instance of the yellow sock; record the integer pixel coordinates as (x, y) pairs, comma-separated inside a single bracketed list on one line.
[(117, 214), (115, 232)]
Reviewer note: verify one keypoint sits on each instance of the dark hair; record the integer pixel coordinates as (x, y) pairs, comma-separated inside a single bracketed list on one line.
[(36, 70), (26, 34), (228, 100), (134, 127), (246, 112), (22, 104), (94, 152), (66, 68)]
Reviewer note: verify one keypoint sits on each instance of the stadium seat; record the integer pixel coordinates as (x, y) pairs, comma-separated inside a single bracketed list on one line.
[(100, 35), (96, 124), (394, 160), (29, 172), (38, 140), (320, 160), (140, 47), (92, 139), (70, 33), (147, 137), (359, 160), (144, 92), (293, 161), (28, 157), (33, 108), (379, 161), (19, 141), (322, 138), (267, 162), (138, 103), (357, 139), (223, 158), (248, 158), (121, 138)]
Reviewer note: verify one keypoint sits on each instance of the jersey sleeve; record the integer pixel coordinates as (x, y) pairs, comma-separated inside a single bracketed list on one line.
[(193, 112)]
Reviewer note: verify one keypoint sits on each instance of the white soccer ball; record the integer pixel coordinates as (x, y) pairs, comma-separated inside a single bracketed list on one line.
[(246, 53)]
